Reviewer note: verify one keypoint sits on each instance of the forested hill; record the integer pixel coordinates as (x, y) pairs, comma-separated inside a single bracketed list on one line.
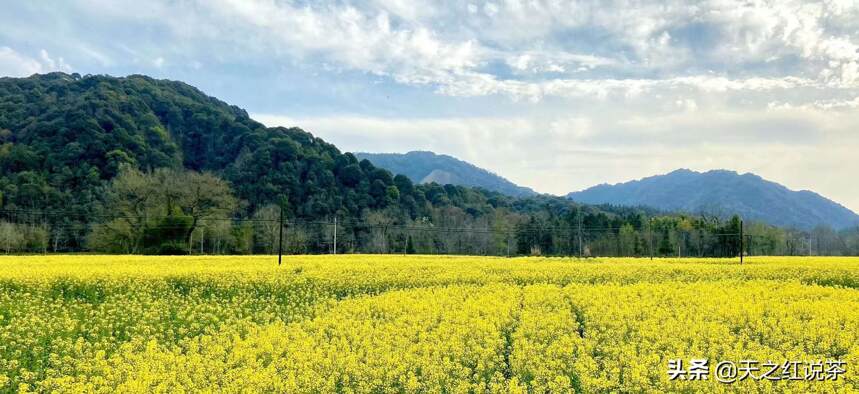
[(134, 164), (63, 136), (428, 167), (725, 193)]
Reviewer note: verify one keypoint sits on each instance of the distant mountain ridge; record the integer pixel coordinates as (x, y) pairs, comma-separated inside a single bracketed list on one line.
[(427, 167), (723, 192)]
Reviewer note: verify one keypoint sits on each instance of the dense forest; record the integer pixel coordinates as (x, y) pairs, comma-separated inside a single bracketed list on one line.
[(138, 165)]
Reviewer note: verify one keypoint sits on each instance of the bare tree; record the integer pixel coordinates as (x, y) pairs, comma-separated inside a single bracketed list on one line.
[(266, 227), (203, 195), (11, 238), (132, 200)]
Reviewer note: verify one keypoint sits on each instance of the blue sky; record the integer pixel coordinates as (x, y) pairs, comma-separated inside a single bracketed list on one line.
[(554, 95)]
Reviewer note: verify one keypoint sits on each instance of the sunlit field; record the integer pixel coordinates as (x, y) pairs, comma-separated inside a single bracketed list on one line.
[(424, 324)]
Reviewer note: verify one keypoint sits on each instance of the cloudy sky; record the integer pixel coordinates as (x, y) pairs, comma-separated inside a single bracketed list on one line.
[(554, 95)]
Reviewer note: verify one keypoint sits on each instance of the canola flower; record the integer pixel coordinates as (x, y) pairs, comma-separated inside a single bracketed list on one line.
[(379, 324)]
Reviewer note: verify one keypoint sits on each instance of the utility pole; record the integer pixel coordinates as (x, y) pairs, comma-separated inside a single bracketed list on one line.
[(581, 251), (741, 241), (335, 235), (280, 238), (508, 244)]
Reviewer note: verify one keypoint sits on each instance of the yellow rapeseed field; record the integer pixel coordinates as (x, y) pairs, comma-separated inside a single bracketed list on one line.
[(427, 324)]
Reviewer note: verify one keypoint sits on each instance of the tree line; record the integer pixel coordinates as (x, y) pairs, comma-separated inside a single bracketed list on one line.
[(172, 211), (138, 165)]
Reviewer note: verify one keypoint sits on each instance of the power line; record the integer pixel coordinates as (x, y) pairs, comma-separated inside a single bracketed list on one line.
[(521, 229)]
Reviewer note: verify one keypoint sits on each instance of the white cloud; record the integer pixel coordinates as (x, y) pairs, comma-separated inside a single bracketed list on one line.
[(481, 84), (434, 44), (352, 38), (542, 61), (818, 105), (16, 64), (552, 48), (687, 104), (572, 128), (49, 63), (490, 9)]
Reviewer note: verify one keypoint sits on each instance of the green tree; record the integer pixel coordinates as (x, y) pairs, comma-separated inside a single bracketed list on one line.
[(132, 201), (627, 240)]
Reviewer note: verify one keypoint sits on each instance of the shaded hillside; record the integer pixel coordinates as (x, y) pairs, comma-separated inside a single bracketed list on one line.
[(722, 193), (427, 167), (62, 137)]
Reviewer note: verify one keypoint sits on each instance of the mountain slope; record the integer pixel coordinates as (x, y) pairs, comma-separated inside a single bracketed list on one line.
[(63, 137), (721, 193), (426, 167)]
